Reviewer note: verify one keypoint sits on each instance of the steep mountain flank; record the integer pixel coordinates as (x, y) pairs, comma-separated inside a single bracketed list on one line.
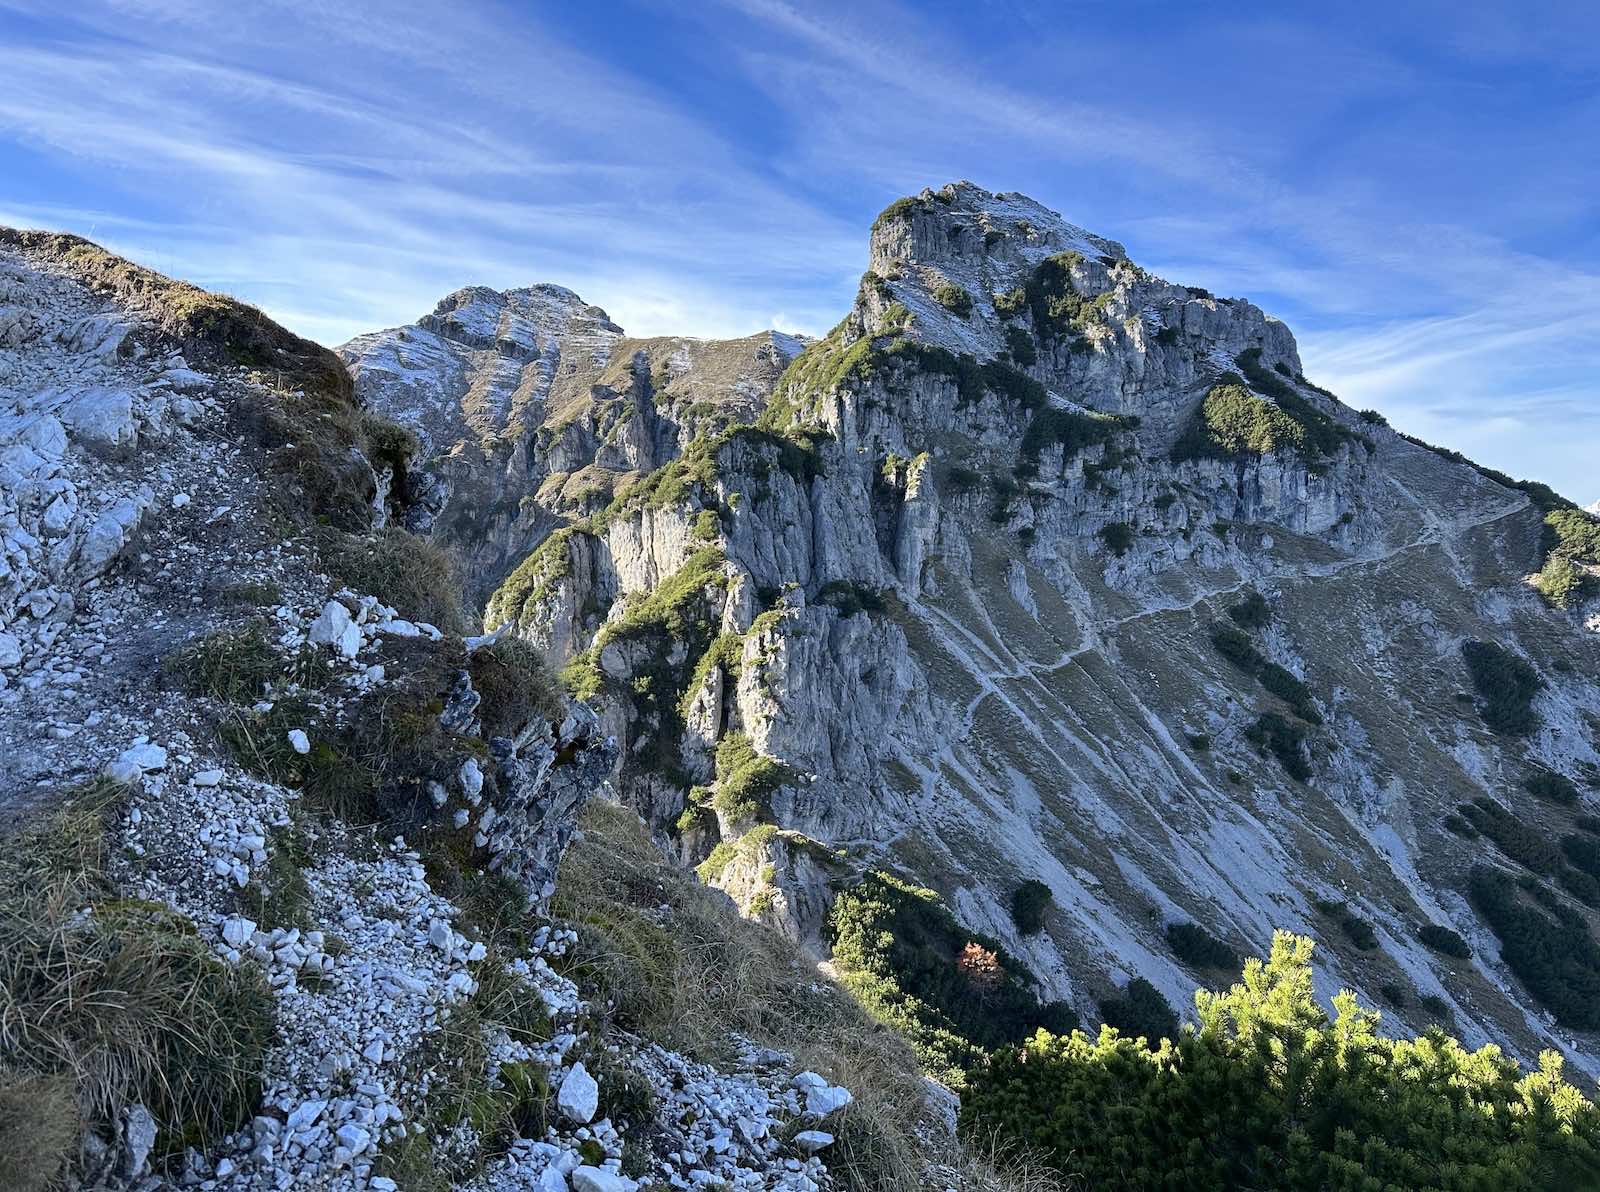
[(1039, 568), (282, 832)]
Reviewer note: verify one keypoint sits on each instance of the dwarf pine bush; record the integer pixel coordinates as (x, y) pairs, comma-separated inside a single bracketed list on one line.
[(1268, 1092)]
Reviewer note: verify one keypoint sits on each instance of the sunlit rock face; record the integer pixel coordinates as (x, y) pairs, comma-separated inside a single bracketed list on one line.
[(963, 582)]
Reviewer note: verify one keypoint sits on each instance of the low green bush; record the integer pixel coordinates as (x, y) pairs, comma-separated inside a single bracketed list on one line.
[(1573, 533), (746, 780), (1283, 684), (1515, 837), (851, 598), (1198, 948), (1444, 941), (899, 209), (1284, 740), (961, 479), (1506, 684), (1324, 436), (1028, 903), (1071, 431), (1546, 944), (1237, 647), (1437, 1009), (1140, 1012), (1551, 786), (953, 298), (1582, 851), (1267, 1092), (1019, 346), (1357, 929), (1117, 536), (1232, 421), (953, 993), (1251, 612), (1561, 582)]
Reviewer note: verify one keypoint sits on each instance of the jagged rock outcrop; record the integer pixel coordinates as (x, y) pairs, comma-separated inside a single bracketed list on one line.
[(531, 405), (960, 592)]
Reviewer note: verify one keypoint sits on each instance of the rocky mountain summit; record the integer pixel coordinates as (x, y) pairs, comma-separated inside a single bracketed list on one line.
[(1039, 569)]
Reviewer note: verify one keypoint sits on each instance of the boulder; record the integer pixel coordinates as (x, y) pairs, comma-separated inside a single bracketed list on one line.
[(579, 1095), (101, 420)]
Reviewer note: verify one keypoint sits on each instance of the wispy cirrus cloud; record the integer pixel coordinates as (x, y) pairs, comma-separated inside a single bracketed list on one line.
[(377, 199)]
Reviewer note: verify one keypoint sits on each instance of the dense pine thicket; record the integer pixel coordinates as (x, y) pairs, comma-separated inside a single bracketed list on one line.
[(1544, 942), (1506, 684), (1268, 1092)]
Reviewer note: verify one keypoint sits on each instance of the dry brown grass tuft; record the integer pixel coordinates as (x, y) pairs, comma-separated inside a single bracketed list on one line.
[(39, 1129), (415, 575), (516, 684), (115, 999), (696, 973)]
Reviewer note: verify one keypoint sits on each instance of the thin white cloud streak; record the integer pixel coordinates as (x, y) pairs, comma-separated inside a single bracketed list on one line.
[(374, 236)]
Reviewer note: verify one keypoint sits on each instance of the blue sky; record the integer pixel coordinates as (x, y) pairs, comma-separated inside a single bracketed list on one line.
[(1413, 187)]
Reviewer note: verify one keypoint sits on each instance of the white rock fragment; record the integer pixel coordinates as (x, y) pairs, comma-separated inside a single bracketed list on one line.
[(471, 779), (206, 778), (440, 936), (305, 1114), (598, 1179), (299, 742), (102, 420), (146, 756), (332, 626), (109, 534), (579, 1095), (821, 1097), (809, 1142), (122, 773)]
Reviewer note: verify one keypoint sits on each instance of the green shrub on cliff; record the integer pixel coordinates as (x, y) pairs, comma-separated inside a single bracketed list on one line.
[(951, 992)]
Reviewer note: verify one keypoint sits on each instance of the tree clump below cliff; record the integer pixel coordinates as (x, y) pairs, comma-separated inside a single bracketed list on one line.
[(953, 993)]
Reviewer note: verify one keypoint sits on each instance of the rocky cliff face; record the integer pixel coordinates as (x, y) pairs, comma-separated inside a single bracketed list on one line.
[(1038, 567), (278, 852), (532, 406)]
